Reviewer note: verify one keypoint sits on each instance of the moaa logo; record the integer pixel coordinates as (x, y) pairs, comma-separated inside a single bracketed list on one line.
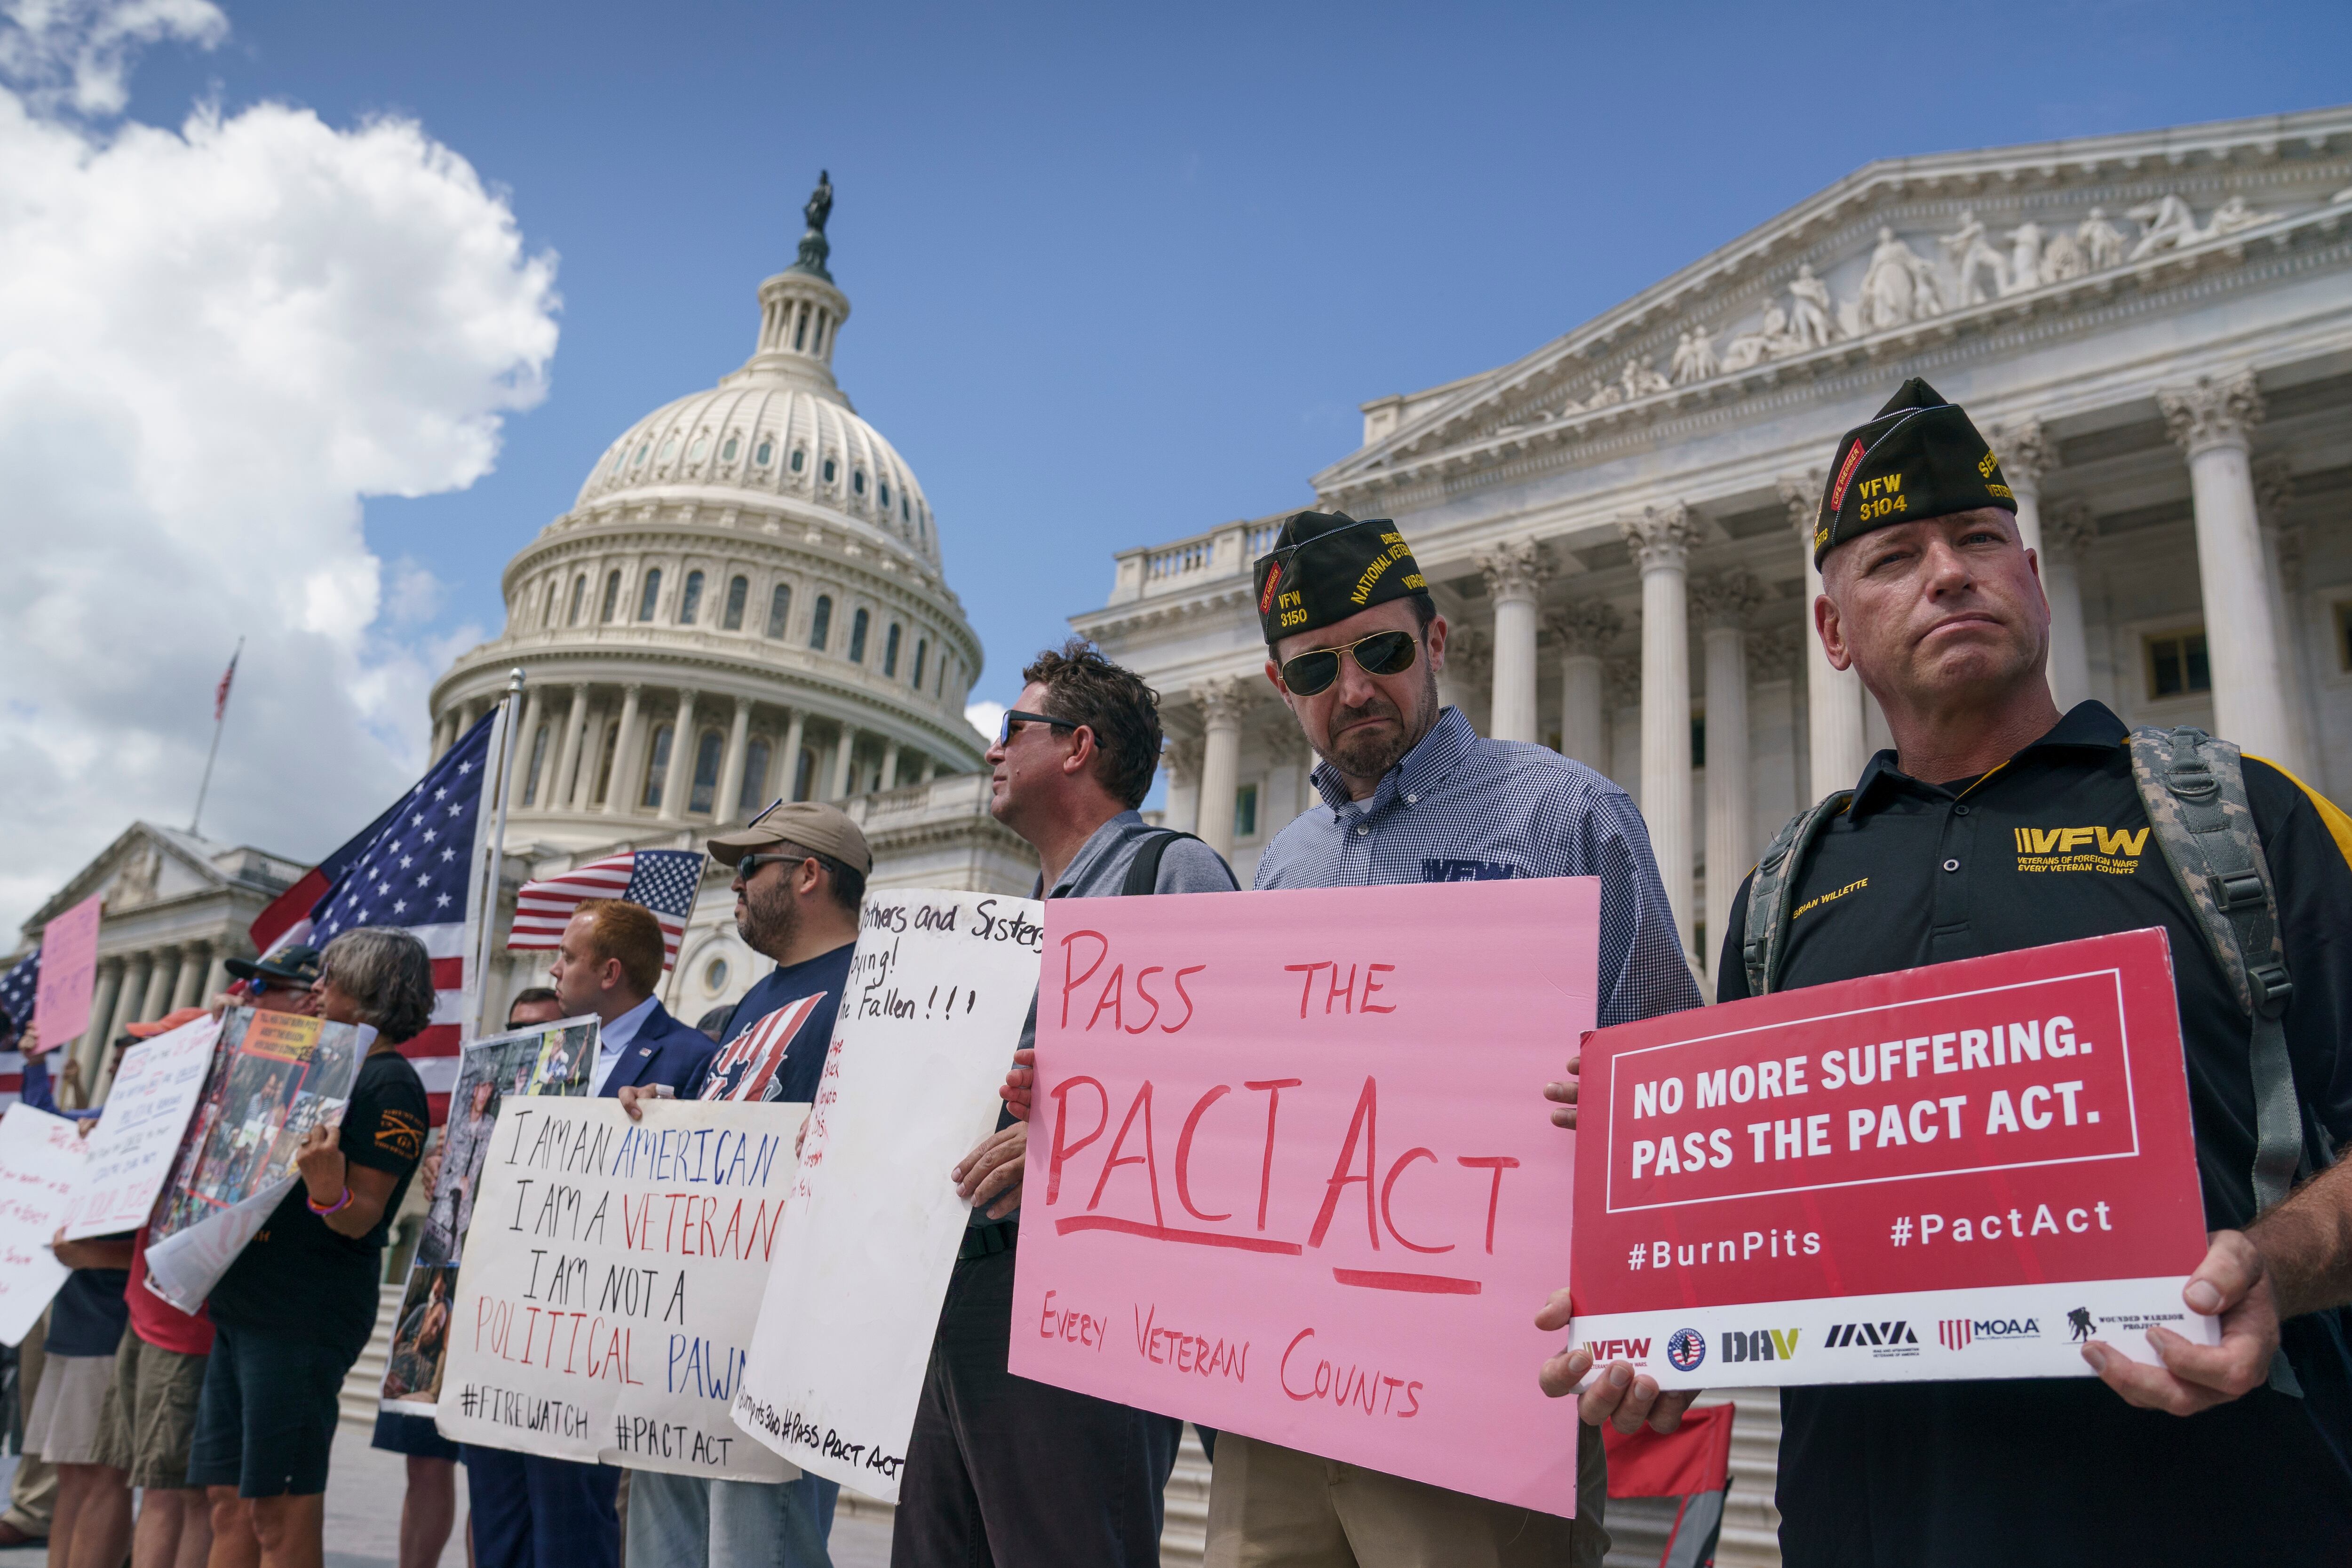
[(1959, 1333), (1685, 1348)]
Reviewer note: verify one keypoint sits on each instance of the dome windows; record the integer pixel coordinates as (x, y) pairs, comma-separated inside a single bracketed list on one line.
[(857, 481), (707, 753), (701, 444), (883, 491), (799, 459), (922, 653), (612, 597), (657, 767), (890, 652), (669, 449), (579, 592), (821, 623), (727, 452), (739, 589), (780, 610), (714, 977), (643, 447), (646, 600), (829, 470), (689, 603), (765, 454), (857, 624)]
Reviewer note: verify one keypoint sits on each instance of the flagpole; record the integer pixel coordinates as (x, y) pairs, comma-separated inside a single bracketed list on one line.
[(220, 722), (497, 849)]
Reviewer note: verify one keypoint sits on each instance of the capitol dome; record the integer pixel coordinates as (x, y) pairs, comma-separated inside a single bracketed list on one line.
[(743, 602)]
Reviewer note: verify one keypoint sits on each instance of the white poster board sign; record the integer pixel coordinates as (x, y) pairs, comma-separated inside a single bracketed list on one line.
[(147, 1110), (610, 1279), (938, 992), (42, 1161)]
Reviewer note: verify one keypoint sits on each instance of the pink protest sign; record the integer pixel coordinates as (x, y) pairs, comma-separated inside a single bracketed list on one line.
[(1291, 1172), (68, 974)]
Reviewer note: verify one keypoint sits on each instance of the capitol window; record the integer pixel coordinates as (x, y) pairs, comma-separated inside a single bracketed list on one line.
[(857, 481), (799, 459), (669, 449), (701, 444), (890, 652), (604, 764), (829, 470), (579, 592), (922, 651), (857, 624), (755, 776), (739, 589), (727, 453), (651, 593), (690, 603), (612, 597), (707, 753), (643, 447), (2178, 665), (547, 605), (883, 492), (657, 767), (766, 451), (538, 758), (780, 610), (714, 976), (821, 624)]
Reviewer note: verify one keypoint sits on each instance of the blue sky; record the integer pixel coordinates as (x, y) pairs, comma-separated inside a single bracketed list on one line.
[(1120, 274)]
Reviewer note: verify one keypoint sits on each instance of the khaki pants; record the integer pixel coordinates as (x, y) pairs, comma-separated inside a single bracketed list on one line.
[(1272, 1506)]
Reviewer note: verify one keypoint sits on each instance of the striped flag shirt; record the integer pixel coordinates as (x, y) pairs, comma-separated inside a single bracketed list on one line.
[(420, 867), (745, 1067), (664, 880)]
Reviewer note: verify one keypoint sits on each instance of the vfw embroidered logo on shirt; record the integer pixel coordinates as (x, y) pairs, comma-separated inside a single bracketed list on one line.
[(2114, 850), (1467, 870)]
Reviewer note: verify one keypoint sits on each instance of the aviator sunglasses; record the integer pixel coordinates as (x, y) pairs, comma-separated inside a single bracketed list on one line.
[(1383, 653)]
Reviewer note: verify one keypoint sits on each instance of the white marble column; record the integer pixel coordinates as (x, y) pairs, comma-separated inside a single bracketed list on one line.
[(1836, 748), (795, 735), (1585, 631), (730, 802), (101, 1012), (624, 751), (137, 969), (679, 778), (844, 764), (2282, 552), (1659, 541), (1724, 604), (2066, 543), (1220, 761), (194, 962), (1182, 761), (160, 980), (2025, 453), (2213, 423), (890, 766), (524, 741), (558, 793), (1514, 570), (930, 765), (215, 978)]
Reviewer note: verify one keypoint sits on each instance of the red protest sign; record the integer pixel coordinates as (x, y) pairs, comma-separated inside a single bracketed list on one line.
[(1291, 1174), (1966, 1170)]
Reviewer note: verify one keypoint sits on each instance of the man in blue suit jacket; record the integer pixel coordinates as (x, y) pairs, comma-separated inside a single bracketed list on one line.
[(610, 964)]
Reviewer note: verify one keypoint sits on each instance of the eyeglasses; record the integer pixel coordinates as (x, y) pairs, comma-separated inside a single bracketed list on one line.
[(1383, 653), (1014, 716)]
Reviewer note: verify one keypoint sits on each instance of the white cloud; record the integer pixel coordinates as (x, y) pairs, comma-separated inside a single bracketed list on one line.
[(987, 718), (214, 341)]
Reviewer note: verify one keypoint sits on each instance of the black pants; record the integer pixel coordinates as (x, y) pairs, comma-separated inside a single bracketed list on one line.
[(1004, 1470)]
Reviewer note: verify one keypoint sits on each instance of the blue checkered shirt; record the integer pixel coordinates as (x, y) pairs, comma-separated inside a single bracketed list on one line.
[(1459, 809)]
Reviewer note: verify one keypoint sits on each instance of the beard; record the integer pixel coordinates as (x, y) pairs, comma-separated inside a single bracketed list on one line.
[(1369, 754), (769, 918)]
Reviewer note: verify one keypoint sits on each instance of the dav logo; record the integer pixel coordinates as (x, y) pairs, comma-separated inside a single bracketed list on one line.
[(1622, 1350), (1886, 1339), (1760, 1344), (1959, 1333)]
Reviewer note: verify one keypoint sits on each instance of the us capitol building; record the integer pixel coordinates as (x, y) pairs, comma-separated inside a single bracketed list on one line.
[(744, 602)]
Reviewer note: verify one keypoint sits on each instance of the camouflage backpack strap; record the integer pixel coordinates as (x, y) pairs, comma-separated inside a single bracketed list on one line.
[(1769, 891), (2194, 788)]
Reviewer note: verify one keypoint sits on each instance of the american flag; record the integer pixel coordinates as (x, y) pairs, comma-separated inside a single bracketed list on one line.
[(663, 880), (420, 867), (220, 698), (17, 989)]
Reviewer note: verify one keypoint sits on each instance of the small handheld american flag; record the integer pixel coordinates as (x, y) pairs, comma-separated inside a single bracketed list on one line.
[(664, 880)]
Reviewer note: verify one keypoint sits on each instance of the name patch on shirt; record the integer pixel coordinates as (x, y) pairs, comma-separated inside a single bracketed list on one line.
[(1467, 870)]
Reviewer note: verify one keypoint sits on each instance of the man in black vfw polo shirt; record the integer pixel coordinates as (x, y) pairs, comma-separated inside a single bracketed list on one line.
[(1997, 824)]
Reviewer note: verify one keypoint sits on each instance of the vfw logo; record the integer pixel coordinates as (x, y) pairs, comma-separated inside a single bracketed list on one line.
[(1605, 1351), (1685, 1348), (1959, 1333)]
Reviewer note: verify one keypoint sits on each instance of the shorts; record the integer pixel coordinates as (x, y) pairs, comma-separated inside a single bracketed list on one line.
[(397, 1432), (151, 1415), (62, 1425), (267, 1419)]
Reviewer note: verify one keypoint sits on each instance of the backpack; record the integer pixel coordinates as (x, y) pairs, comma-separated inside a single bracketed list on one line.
[(1143, 871), (2193, 789)]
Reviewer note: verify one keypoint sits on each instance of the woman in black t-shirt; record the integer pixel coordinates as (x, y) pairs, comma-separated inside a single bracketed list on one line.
[(295, 1309)]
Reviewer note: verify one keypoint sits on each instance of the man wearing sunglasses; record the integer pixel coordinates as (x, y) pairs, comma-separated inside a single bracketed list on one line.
[(1410, 793), (1001, 1469), (280, 982)]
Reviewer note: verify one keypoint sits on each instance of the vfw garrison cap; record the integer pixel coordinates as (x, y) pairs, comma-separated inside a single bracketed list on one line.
[(1920, 457), (1325, 566), (812, 825)]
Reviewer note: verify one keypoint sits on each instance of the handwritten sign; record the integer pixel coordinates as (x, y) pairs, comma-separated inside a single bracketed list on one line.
[(41, 1162), (1964, 1170), (937, 990), (1290, 1173), (68, 974), (611, 1278), (147, 1110)]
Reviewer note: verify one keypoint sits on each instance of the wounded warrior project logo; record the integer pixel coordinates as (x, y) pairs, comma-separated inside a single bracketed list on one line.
[(1959, 1333), (1685, 1348)]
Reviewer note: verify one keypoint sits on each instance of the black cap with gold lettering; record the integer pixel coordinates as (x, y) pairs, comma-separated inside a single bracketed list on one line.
[(1325, 566), (1920, 457)]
